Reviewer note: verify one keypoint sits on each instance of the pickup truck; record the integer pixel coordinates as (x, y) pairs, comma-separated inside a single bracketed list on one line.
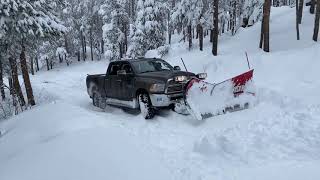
[(145, 83)]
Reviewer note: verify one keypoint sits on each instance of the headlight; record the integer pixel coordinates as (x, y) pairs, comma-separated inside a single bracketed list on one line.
[(202, 75), (181, 78), (157, 87)]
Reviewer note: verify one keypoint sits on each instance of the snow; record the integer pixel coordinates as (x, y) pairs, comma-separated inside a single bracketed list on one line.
[(66, 146), (214, 99), (65, 137)]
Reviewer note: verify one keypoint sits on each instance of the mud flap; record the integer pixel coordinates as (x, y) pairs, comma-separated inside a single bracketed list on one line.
[(205, 100)]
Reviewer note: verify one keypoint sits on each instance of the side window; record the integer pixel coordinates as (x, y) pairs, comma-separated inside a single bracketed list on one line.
[(127, 67), (114, 69)]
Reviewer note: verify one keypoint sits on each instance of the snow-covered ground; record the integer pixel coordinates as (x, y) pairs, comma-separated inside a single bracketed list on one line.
[(65, 137)]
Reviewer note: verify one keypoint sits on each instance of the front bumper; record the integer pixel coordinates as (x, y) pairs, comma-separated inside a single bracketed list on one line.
[(164, 100)]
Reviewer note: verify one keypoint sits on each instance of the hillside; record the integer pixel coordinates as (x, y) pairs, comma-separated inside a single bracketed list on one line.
[(66, 137)]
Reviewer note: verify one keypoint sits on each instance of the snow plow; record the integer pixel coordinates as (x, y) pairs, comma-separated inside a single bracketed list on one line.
[(205, 99)]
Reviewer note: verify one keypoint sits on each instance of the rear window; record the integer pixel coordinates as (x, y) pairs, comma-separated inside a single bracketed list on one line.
[(151, 66)]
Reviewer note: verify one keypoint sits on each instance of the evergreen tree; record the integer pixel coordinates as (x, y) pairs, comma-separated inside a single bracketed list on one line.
[(188, 13), (150, 28), (115, 29), (23, 20)]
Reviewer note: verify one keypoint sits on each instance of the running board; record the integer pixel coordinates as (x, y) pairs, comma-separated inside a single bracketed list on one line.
[(129, 104)]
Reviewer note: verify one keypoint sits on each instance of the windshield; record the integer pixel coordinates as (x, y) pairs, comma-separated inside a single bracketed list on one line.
[(151, 66)]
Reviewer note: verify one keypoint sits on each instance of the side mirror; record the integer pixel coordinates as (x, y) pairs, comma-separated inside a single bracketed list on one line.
[(177, 68), (121, 72)]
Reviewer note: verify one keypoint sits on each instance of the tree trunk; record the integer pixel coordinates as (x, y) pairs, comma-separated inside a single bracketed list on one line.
[(297, 20), (261, 35), (301, 3), (193, 33), (3, 95), (197, 31), (65, 59), (266, 19), (223, 25), (211, 35), (31, 66), (47, 63), (169, 26), (184, 34), (169, 35), (120, 50), (78, 54), (125, 40), (91, 45), (215, 27), (83, 47), (190, 36), (66, 45), (234, 18), (15, 81), (37, 63), (10, 85), (26, 78), (60, 59), (316, 22), (102, 46), (200, 32), (312, 6)]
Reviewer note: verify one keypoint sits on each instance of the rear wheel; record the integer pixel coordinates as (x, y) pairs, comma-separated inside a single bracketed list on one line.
[(98, 100), (146, 108)]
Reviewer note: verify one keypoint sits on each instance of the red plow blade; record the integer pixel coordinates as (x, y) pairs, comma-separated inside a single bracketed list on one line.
[(205, 99)]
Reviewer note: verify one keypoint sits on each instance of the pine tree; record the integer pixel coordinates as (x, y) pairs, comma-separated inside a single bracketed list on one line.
[(23, 20), (115, 29), (112, 36), (188, 13), (150, 28), (137, 47)]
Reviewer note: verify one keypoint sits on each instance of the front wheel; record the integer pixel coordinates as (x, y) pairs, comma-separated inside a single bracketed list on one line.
[(146, 108)]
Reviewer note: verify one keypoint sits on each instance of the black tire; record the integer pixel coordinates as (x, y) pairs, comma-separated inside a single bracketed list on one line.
[(146, 108), (95, 100), (98, 100)]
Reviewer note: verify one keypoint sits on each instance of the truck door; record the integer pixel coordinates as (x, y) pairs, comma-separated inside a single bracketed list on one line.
[(127, 82), (113, 81)]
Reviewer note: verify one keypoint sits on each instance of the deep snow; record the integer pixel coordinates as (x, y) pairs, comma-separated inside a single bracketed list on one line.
[(65, 137)]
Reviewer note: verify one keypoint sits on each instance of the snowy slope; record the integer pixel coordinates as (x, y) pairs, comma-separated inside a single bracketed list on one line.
[(65, 137)]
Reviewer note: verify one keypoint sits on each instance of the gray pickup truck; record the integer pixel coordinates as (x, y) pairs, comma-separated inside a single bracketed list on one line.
[(148, 84)]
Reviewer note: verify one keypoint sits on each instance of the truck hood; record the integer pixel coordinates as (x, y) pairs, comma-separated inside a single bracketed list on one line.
[(165, 75)]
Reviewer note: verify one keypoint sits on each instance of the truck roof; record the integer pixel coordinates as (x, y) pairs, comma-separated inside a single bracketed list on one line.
[(140, 59)]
